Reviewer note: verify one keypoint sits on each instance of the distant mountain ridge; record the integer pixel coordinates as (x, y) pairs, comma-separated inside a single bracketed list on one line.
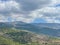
[(49, 25), (52, 29)]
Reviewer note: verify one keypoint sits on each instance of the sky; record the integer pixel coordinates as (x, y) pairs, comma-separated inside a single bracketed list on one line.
[(30, 11)]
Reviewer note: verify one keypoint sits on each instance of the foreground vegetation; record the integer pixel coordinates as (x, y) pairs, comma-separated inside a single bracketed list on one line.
[(11, 36)]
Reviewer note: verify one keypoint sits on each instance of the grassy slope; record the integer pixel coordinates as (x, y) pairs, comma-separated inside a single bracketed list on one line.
[(29, 38), (5, 41)]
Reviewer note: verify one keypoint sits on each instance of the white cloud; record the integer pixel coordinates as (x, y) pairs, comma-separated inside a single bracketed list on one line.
[(29, 10), (49, 14), (21, 17), (9, 6), (3, 19)]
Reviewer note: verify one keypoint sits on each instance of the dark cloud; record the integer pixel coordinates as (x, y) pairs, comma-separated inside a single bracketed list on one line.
[(30, 5), (25, 6)]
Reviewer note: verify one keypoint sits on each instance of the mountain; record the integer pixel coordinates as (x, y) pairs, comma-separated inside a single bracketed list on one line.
[(49, 25), (51, 29), (5, 24), (20, 33)]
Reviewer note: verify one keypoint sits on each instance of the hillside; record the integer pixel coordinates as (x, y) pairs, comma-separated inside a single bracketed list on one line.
[(12, 36)]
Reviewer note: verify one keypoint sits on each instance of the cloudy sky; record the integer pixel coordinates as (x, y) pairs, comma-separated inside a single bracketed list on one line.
[(30, 11)]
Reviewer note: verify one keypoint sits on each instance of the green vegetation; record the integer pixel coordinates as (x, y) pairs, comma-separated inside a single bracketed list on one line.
[(11, 36)]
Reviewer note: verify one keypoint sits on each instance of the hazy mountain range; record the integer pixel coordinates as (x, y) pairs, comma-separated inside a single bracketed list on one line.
[(51, 29), (20, 33)]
